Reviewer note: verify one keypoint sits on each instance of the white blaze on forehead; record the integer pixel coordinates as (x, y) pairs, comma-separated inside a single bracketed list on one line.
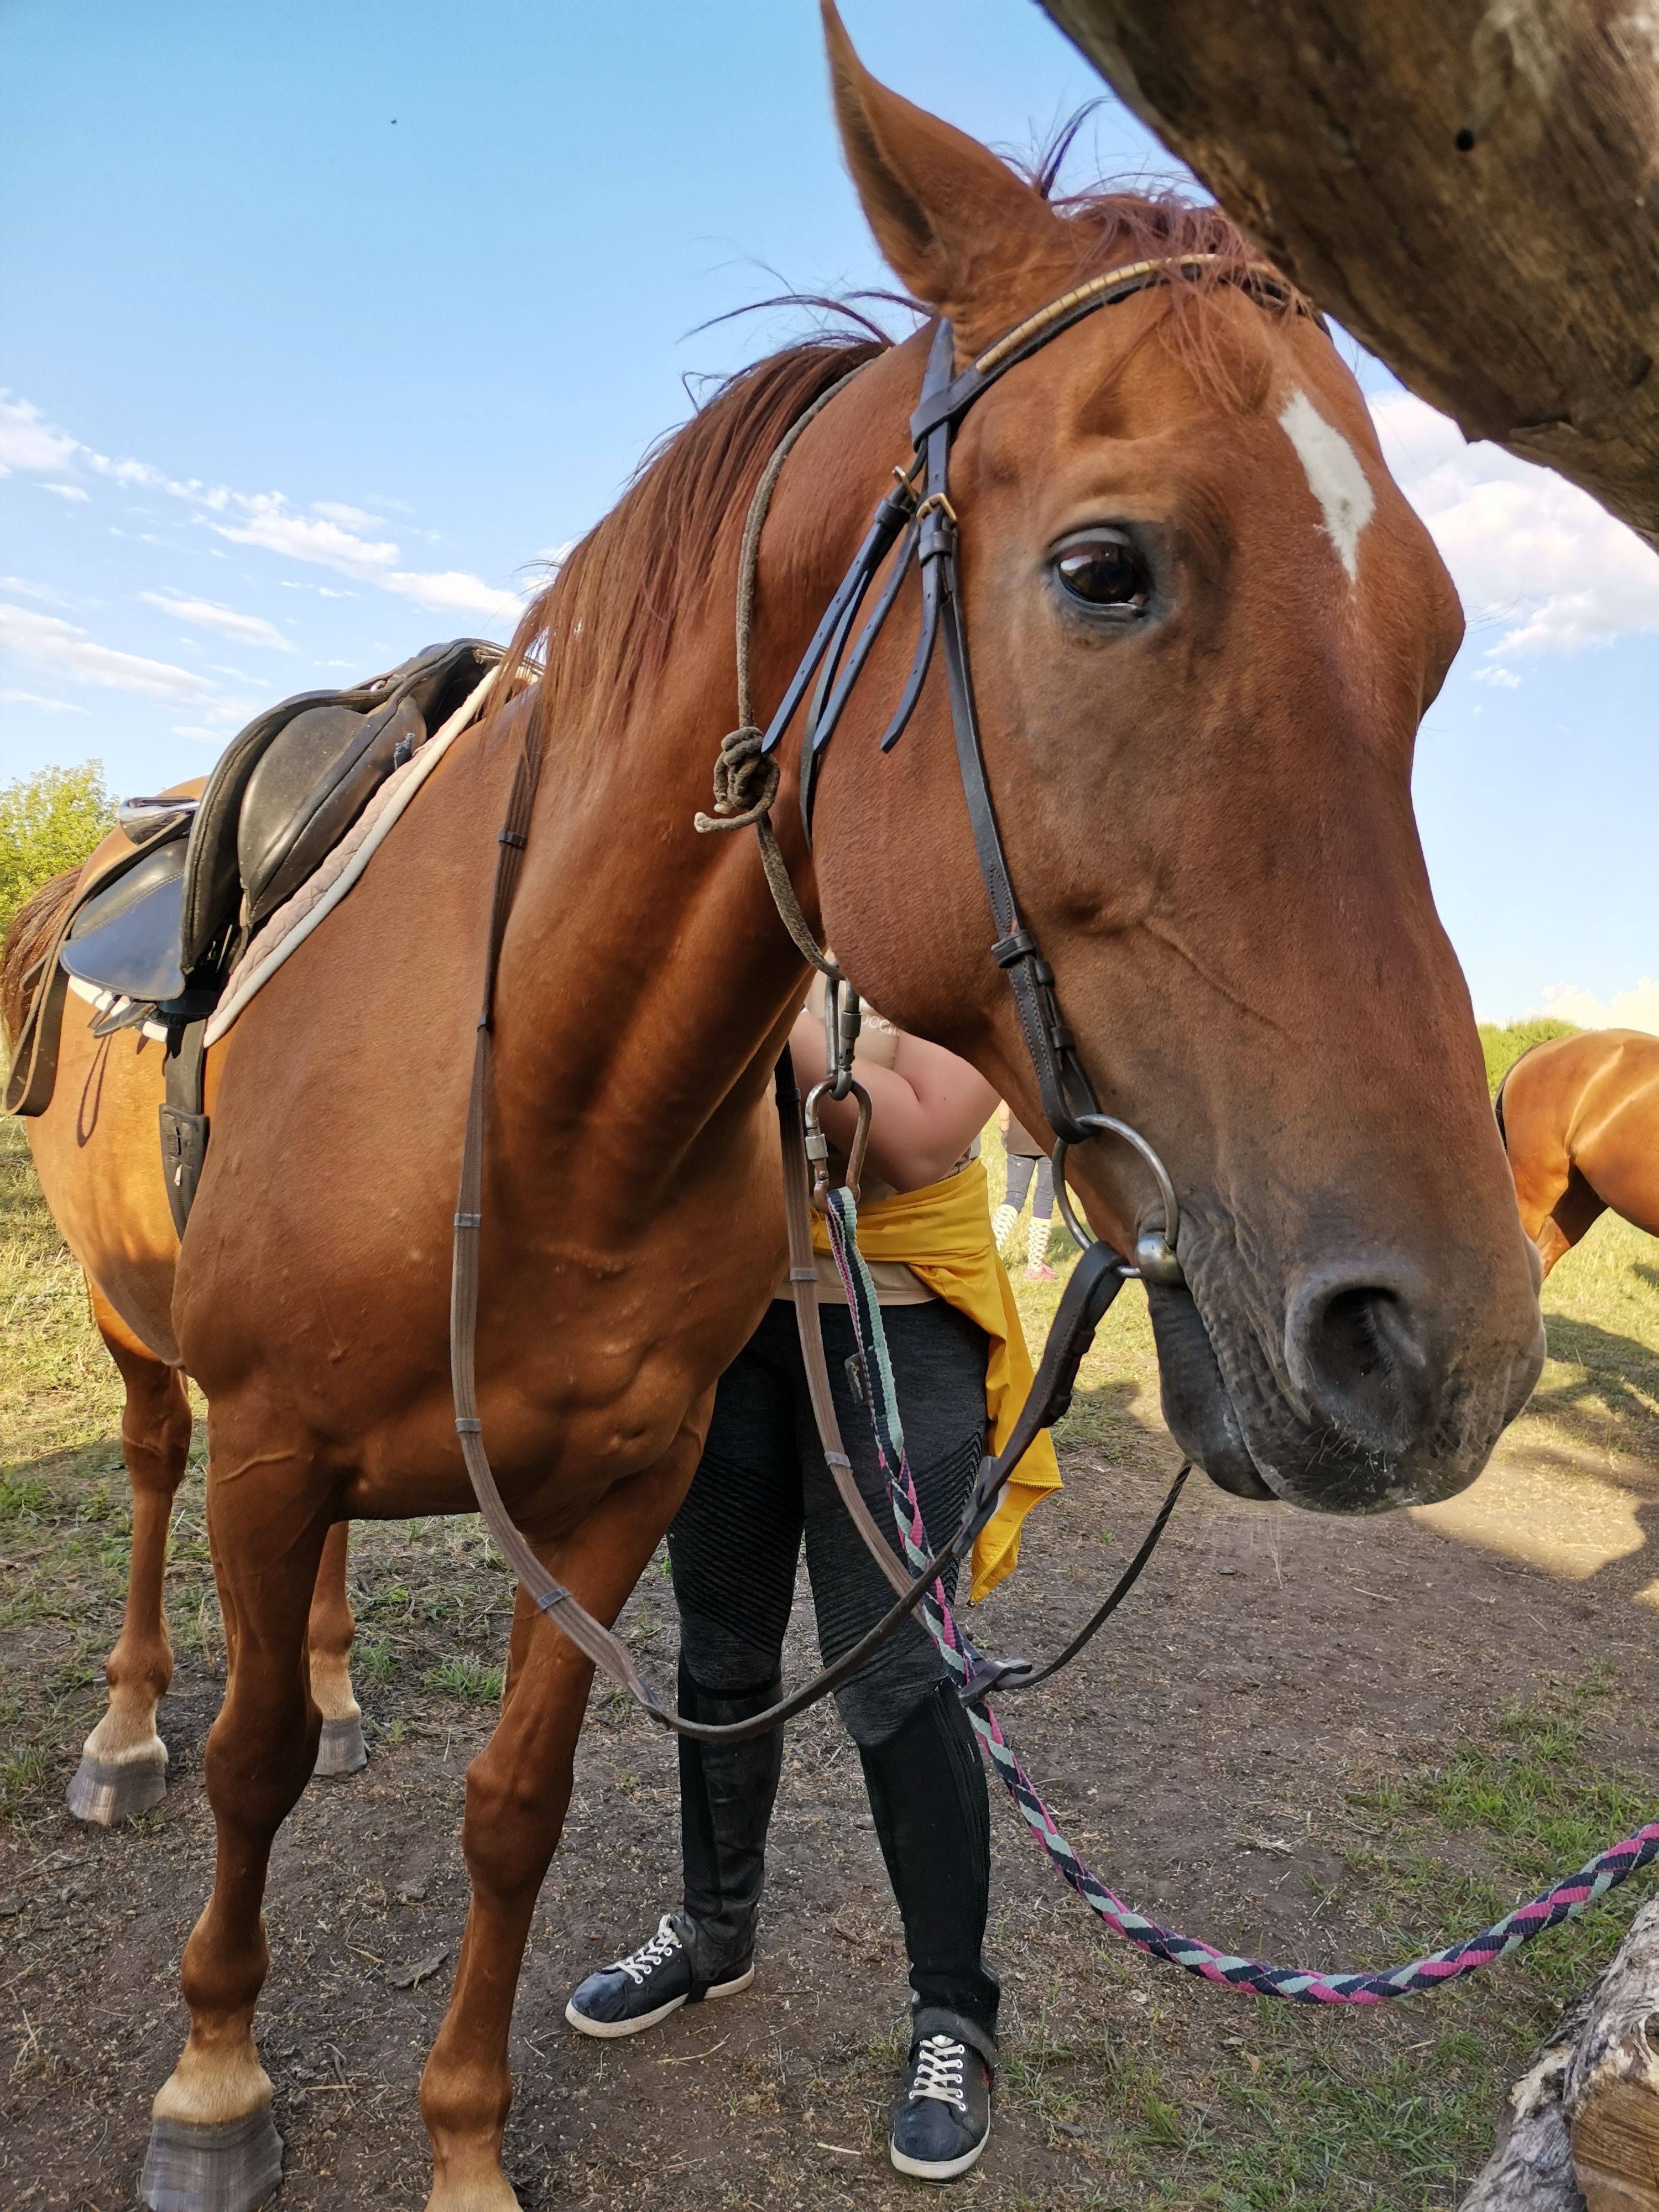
[(1335, 476)]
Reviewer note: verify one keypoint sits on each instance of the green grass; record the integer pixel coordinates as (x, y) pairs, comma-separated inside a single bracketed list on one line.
[(466, 1677), (58, 1387)]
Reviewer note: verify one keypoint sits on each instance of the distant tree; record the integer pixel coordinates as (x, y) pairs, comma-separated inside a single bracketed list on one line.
[(1504, 1047), (49, 821)]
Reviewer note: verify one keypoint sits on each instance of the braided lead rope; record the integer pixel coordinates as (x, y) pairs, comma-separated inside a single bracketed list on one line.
[(1564, 1900)]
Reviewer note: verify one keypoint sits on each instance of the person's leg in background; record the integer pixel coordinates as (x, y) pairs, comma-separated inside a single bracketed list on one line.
[(1037, 1236), (1019, 1181)]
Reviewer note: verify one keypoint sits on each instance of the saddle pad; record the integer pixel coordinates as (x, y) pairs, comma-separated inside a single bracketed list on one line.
[(125, 939)]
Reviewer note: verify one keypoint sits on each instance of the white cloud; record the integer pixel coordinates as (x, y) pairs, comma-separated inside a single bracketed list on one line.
[(1526, 549), (268, 522), (332, 536), (1636, 1009), (208, 614), (28, 441), (1504, 679), (271, 523), (350, 518), (34, 699), (42, 592), (50, 643), (454, 592)]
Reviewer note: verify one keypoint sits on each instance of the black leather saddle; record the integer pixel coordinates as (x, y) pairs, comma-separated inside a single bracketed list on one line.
[(125, 938), (160, 930), (286, 791), (283, 794)]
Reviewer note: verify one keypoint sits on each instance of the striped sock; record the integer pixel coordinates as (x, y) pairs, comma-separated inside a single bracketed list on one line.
[(1036, 1241), (1002, 1222)]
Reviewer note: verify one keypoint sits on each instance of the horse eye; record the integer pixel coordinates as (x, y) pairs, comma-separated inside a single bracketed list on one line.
[(1103, 572)]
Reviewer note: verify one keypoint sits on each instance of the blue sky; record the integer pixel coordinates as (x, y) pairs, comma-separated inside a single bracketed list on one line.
[(324, 325)]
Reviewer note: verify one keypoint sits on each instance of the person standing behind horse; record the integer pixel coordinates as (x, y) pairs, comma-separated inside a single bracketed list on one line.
[(959, 1364), (1026, 1157)]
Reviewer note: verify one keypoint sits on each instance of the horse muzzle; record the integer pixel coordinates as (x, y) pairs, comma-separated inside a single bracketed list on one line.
[(1373, 1402)]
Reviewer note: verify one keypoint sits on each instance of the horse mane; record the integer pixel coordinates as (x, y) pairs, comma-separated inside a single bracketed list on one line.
[(608, 618), (27, 942), (605, 622)]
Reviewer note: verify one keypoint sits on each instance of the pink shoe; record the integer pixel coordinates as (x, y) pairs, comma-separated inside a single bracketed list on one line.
[(1041, 1275)]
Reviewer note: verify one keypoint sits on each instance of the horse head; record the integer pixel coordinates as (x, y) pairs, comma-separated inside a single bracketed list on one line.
[(1204, 626)]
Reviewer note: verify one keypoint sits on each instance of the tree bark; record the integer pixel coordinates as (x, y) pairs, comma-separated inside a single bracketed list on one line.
[(1470, 187), (1611, 2092), (1580, 2130), (1530, 2169)]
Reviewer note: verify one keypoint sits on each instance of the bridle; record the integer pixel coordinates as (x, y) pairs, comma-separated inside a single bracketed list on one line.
[(918, 517), (919, 512)]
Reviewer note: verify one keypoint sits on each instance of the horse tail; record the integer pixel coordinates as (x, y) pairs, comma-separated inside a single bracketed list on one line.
[(28, 941)]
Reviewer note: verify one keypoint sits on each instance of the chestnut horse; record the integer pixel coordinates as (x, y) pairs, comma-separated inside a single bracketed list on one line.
[(1579, 1117), (95, 1151), (1204, 627)]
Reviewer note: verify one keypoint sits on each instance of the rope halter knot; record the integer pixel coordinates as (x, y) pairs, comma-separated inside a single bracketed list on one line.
[(745, 782)]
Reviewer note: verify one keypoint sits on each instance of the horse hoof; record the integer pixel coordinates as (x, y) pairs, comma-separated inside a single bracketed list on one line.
[(341, 1749), (108, 1794), (232, 2168)]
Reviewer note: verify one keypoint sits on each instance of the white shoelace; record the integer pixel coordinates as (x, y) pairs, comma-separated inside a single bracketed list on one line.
[(639, 1965), (938, 2071)]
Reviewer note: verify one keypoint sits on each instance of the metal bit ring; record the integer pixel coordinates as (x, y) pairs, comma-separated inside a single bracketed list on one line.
[(1155, 1260)]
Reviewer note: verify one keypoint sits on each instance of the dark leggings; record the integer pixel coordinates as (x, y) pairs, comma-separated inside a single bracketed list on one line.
[(736, 1539), (1019, 1181), (733, 1547)]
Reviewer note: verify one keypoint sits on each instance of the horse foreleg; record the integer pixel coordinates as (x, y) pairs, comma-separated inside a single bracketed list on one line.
[(517, 1789), (330, 1634), (123, 1762), (213, 2145)]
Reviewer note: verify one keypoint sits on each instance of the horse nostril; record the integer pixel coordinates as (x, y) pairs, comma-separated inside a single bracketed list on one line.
[(1355, 1354)]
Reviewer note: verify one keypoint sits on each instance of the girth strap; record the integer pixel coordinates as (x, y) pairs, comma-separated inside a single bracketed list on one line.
[(183, 1124)]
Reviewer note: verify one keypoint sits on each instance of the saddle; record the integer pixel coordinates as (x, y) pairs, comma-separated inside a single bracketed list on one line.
[(152, 939)]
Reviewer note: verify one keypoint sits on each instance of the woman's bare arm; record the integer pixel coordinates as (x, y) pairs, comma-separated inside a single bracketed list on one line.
[(926, 1108)]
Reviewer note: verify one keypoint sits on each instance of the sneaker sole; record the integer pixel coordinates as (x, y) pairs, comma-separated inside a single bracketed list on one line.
[(606, 2031), (945, 2170)]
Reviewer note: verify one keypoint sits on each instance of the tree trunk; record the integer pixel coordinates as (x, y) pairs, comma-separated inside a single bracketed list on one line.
[(1580, 2130), (1611, 2093), (1471, 189)]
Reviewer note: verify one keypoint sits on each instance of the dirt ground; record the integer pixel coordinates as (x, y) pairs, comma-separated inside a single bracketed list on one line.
[(1211, 1761), (1328, 1743)]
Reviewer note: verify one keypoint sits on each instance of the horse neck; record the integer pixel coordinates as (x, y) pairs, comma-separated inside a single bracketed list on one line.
[(647, 981)]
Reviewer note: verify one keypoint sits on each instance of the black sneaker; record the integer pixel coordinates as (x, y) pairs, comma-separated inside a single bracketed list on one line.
[(942, 2119), (634, 1993)]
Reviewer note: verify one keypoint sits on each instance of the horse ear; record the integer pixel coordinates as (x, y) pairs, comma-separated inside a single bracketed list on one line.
[(959, 229)]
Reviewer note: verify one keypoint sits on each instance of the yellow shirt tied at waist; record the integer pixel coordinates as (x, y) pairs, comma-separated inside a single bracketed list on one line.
[(943, 1232)]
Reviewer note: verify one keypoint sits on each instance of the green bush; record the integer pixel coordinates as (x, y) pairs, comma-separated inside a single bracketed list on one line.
[(1504, 1047), (49, 821)]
